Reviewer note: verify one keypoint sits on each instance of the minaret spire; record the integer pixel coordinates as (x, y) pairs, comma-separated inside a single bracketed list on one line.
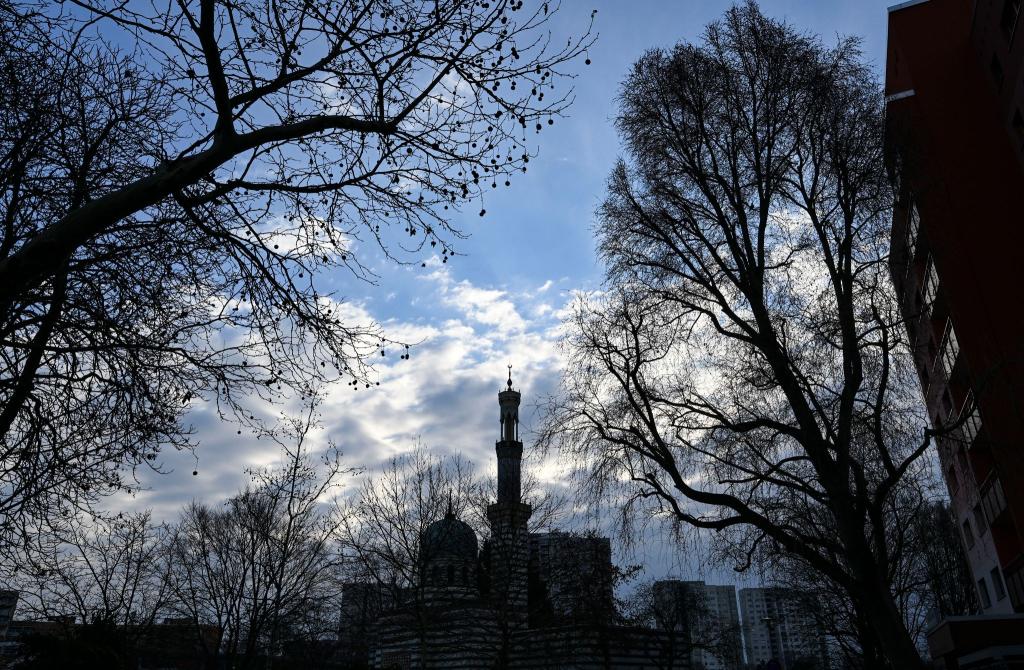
[(508, 401), (509, 515), (509, 447)]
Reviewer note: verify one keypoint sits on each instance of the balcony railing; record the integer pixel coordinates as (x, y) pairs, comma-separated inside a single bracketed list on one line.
[(910, 243), (993, 500), (971, 427), (1015, 585)]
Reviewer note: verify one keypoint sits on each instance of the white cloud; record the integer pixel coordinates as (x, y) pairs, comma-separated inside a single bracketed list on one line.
[(542, 309), (445, 393)]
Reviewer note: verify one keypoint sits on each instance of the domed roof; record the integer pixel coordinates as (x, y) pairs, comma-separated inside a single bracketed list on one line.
[(448, 538)]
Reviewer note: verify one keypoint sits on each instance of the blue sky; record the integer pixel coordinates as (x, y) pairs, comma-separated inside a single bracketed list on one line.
[(500, 301)]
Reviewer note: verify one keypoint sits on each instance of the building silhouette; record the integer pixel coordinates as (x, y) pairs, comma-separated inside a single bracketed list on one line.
[(955, 118), (521, 600), (63, 641), (706, 616), (780, 624), (572, 576)]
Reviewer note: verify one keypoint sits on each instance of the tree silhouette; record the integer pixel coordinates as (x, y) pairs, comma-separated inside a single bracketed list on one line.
[(389, 536), (264, 569), (746, 369), (690, 624), (176, 176), (104, 584)]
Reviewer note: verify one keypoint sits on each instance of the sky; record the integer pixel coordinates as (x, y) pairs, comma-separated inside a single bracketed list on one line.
[(500, 302)]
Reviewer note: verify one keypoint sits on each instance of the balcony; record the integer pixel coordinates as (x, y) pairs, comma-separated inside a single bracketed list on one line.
[(993, 500), (910, 244), (973, 437)]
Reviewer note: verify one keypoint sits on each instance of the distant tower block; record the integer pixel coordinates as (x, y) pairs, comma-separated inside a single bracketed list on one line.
[(508, 516)]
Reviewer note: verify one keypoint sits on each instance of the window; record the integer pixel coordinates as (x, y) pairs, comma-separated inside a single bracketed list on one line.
[(913, 227), (997, 583), (950, 349), (986, 600), (993, 500), (1015, 582), (968, 535), (979, 519), (931, 283), (971, 425)]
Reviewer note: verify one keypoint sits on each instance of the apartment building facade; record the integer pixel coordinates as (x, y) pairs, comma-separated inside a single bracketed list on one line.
[(780, 624), (954, 84), (707, 615), (955, 99)]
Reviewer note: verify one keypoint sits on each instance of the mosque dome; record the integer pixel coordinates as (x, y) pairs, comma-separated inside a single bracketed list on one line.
[(449, 539)]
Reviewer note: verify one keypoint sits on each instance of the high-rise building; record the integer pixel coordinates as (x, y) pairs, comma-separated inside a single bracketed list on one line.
[(574, 575), (707, 616), (719, 604), (955, 118), (955, 98), (780, 624)]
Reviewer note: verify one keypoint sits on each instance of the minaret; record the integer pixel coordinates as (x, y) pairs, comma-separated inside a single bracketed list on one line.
[(509, 545), (509, 448)]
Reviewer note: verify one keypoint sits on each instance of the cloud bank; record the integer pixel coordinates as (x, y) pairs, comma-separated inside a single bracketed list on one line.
[(445, 394)]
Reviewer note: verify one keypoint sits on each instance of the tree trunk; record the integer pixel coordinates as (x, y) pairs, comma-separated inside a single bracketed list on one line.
[(872, 597), (891, 633), (875, 601)]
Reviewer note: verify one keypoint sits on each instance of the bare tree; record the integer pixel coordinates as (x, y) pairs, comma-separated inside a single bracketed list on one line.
[(386, 519), (101, 571), (264, 568), (745, 371), (550, 507), (689, 623), (383, 536), (175, 177), (103, 582), (943, 563), (388, 534), (929, 577), (384, 522)]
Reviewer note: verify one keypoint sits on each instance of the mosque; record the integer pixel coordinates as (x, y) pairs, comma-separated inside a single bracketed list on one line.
[(522, 600)]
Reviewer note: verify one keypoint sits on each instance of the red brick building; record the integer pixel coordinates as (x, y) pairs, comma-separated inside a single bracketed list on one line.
[(955, 105)]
